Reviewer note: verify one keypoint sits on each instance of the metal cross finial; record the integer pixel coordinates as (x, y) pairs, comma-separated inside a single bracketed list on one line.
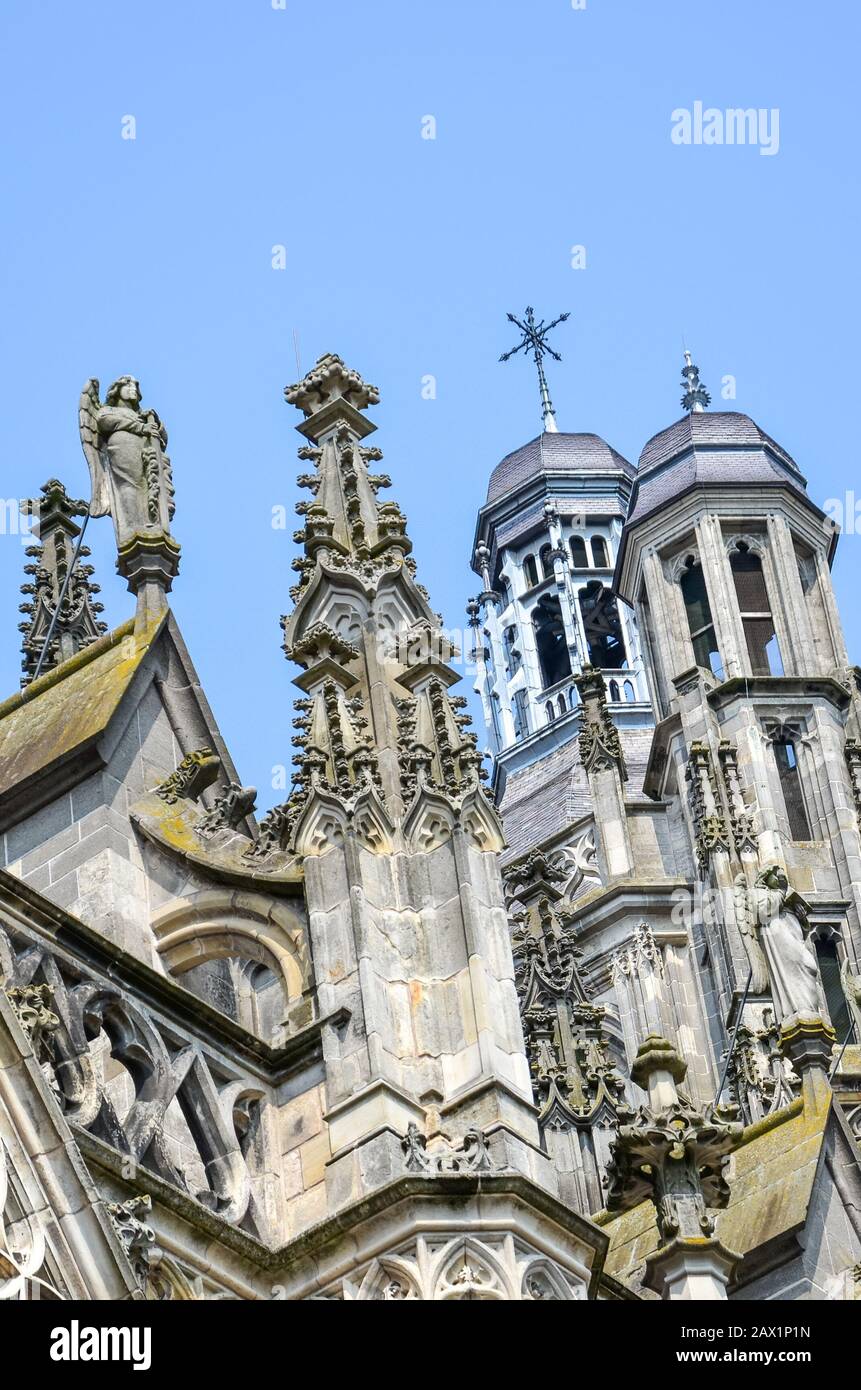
[(535, 342)]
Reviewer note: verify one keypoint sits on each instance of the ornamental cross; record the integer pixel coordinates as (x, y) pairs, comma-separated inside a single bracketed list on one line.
[(534, 340)]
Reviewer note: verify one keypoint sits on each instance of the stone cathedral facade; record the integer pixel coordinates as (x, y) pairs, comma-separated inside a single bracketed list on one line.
[(586, 1028)]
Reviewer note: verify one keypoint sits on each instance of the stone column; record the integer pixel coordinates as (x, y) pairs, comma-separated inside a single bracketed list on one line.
[(601, 752), (722, 599)]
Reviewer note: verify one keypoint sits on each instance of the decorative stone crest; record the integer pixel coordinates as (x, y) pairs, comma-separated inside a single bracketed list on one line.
[(710, 828), (671, 1151), (30, 1004), (600, 746), (229, 809), (196, 772), (742, 819), (137, 1237), (470, 1156)]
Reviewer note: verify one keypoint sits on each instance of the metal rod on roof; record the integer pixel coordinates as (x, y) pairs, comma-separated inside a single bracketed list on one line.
[(849, 1033), (731, 1048)]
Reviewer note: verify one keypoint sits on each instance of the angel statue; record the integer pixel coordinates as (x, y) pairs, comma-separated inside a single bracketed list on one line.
[(129, 469), (772, 918)]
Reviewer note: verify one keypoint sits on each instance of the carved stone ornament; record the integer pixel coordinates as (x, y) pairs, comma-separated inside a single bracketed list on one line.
[(670, 1150), (470, 1156), (30, 1005), (196, 772), (710, 828), (600, 746)]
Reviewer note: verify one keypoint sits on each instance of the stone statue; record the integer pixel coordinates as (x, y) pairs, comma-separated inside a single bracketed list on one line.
[(125, 449), (777, 915)]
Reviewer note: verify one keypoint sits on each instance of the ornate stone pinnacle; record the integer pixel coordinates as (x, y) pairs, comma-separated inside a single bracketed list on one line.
[(331, 394), (696, 397), (600, 746), (75, 621)]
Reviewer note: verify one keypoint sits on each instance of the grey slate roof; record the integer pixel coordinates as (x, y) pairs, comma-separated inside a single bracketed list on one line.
[(555, 453), (708, 448), (541, 799)]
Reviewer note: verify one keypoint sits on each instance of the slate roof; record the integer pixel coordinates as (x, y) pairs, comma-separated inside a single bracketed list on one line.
[(543, 798), (53, 720), (708, 448), (555, 453)]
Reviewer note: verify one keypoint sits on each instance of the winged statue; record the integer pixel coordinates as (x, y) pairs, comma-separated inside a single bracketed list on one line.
[(772, 918), (129, 469)]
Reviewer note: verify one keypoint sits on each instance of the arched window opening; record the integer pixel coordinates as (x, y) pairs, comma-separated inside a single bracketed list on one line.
[(260, 998), (550, 711), (832, 986), (573, 698), (530, 572), (505, 591), (521, 714), (561, 706), (550, 640), (545, 555), (603, 628), (579, 556), (698, 609), (614, 692), (600, 558), (494, 717), (789, 776), (513, 657), (629, 691), (755, 608)]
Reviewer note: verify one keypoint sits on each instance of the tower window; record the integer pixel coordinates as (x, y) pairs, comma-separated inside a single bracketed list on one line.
[(698, 609), (603, 629), (560, 704), (494, 715), (550, 640), (546, 557), (753, 602), (530, 572), (614, 692), (832, 986), (599, 553), (790, 786), (579, 557), (521, 714), (513, 659), (550, 711)]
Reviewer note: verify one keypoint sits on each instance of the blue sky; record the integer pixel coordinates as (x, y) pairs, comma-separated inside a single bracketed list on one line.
[(302, 126)]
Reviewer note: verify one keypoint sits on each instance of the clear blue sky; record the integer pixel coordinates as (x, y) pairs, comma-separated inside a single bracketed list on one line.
[(258, 126)]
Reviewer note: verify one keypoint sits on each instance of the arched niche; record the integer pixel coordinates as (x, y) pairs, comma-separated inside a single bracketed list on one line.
[(263, 948)]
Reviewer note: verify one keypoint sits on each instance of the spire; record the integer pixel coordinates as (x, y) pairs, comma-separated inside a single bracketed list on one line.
[(534, 341), (376, 721), (696, 397), (77, 625)]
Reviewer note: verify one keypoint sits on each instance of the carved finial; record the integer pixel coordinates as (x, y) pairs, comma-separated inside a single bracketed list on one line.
[(696, 397), (534, 341), (59, 599)]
